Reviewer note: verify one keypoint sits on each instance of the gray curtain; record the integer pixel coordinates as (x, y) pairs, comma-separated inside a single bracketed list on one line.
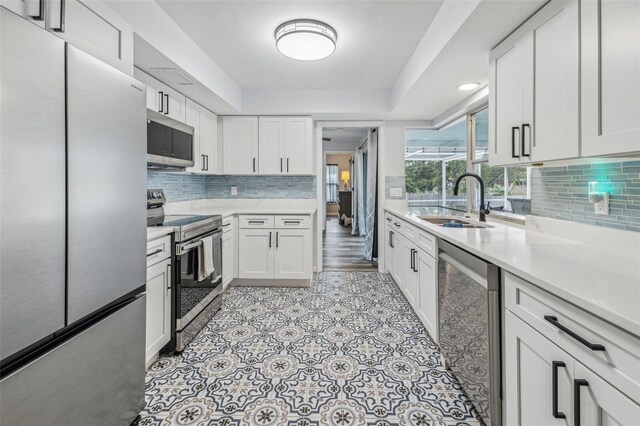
[(372, 184)]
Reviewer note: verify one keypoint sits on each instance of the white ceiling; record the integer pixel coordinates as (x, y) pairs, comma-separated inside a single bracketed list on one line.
[(345, 135), (395, 60), (375, 40)]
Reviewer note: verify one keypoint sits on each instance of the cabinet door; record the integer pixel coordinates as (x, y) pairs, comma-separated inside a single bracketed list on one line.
[(533, 365), (256, 252), (158, 307), (293, 254), (153, 98), (240, 145), (271, 142), (506, 82), (32, 10), (298, 147), (389, 250), (228, 256), (599, 403), (209, 141), (551, 105), (410, 279), (428, 293), (398, 260), (94, 28), (192, 118), (610, 77), (174, 104)]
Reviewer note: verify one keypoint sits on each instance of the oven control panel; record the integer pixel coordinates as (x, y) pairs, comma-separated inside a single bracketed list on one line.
[(155, 197)]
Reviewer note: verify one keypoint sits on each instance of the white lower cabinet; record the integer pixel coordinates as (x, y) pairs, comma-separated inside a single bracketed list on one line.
[(256, 254), (409, 259), (268, 251), (158, 322), (427, 308), (229, 254), (546, 375)]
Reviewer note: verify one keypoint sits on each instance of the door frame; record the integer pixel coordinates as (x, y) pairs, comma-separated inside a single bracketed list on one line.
[(321, 209)]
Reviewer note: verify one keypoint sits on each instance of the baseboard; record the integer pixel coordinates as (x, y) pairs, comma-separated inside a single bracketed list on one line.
[(255, 282)]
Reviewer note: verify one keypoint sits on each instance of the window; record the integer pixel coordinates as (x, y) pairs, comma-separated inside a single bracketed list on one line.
[(332, 183), (433, 161), (435, 158)]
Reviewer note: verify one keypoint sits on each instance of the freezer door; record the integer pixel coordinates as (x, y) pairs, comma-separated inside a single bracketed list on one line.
[(95, 378), (32, 183), (107, 175)]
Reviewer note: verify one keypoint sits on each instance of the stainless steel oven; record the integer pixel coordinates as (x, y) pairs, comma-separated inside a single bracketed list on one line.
[(195, 301)]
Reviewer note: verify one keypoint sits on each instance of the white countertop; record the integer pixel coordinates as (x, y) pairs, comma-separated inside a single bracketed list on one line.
[(599, 275), (154, 232)]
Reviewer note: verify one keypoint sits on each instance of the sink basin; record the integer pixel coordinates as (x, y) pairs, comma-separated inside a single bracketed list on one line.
[(451, 222)]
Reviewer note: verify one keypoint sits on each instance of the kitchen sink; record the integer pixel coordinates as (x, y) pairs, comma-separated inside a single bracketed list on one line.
[(453, 222)]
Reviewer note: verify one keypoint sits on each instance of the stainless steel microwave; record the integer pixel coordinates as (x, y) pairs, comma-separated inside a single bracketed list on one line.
[(169, 142)]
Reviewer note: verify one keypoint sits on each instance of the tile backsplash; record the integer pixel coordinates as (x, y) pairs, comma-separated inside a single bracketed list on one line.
[(561, 193), (184, 186), (394, 182)]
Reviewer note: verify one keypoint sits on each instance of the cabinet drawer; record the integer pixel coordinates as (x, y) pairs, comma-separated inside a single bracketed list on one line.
[(410, 231), (395, 223), (298, 222), (227, 225), (618, 363), (428, 243), (158, 250), (257, 221)]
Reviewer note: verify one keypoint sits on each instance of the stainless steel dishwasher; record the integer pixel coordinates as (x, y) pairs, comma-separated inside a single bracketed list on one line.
[(469, 309)]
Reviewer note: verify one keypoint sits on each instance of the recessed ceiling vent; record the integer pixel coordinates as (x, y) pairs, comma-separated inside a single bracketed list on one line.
[(172, 76)]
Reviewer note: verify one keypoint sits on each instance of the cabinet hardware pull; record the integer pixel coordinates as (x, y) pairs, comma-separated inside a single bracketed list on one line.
[(277, 239), (415, 263), (292, 222), (60, 28), (169, 276), (513, 142), (207, 158), (389, 219), (391, 239), (522, 144), (202, 166), (154, 253), (167, 98), (287, 164), (254, 165), (281, 164), (554, 321), (40, 15), (412, 261), (269, 239), (161, 109), (224, 225), (577, 384), (396, 224), (256, 222), (554, 389)]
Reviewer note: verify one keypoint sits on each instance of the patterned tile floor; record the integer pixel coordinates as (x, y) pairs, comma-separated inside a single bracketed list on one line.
[(347, 351)]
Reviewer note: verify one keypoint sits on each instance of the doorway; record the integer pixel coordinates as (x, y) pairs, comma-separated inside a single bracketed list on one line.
[(347, 243)]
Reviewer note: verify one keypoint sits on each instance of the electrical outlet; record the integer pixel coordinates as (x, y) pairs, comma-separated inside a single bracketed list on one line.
[(602, 206), (234, 190), (395, 192)]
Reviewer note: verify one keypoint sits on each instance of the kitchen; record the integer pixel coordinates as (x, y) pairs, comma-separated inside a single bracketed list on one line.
[(502, 201)]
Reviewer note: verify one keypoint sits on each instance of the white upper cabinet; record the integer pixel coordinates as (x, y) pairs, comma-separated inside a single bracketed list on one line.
[(278, 145), (162, 98), (298, 146), (240, 145), (205, 125), (610, 77), (89, 25), (271, 145), (534, 89)]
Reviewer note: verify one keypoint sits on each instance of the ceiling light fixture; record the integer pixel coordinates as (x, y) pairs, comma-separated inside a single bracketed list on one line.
[(465, 87), (306, 39)]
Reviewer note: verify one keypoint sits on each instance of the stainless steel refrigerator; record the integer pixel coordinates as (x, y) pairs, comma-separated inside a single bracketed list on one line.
[(72, 233)]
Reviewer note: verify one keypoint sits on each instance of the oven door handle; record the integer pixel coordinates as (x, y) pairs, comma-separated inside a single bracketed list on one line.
[(188, 247)]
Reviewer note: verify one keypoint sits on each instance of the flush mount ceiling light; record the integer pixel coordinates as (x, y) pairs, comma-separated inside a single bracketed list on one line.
[(306, 39), (465, 87)]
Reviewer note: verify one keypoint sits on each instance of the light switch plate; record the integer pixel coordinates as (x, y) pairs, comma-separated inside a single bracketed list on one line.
[(234, 190), (395, 192)]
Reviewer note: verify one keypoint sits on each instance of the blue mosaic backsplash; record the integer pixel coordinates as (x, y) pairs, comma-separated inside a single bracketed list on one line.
[(561, 193), (394, 182), (184, 186)]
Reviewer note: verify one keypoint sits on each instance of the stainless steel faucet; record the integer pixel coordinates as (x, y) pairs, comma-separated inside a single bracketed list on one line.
[(483, 210)]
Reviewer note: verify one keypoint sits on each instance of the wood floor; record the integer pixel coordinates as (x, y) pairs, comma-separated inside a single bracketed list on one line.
[(343, 251)]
